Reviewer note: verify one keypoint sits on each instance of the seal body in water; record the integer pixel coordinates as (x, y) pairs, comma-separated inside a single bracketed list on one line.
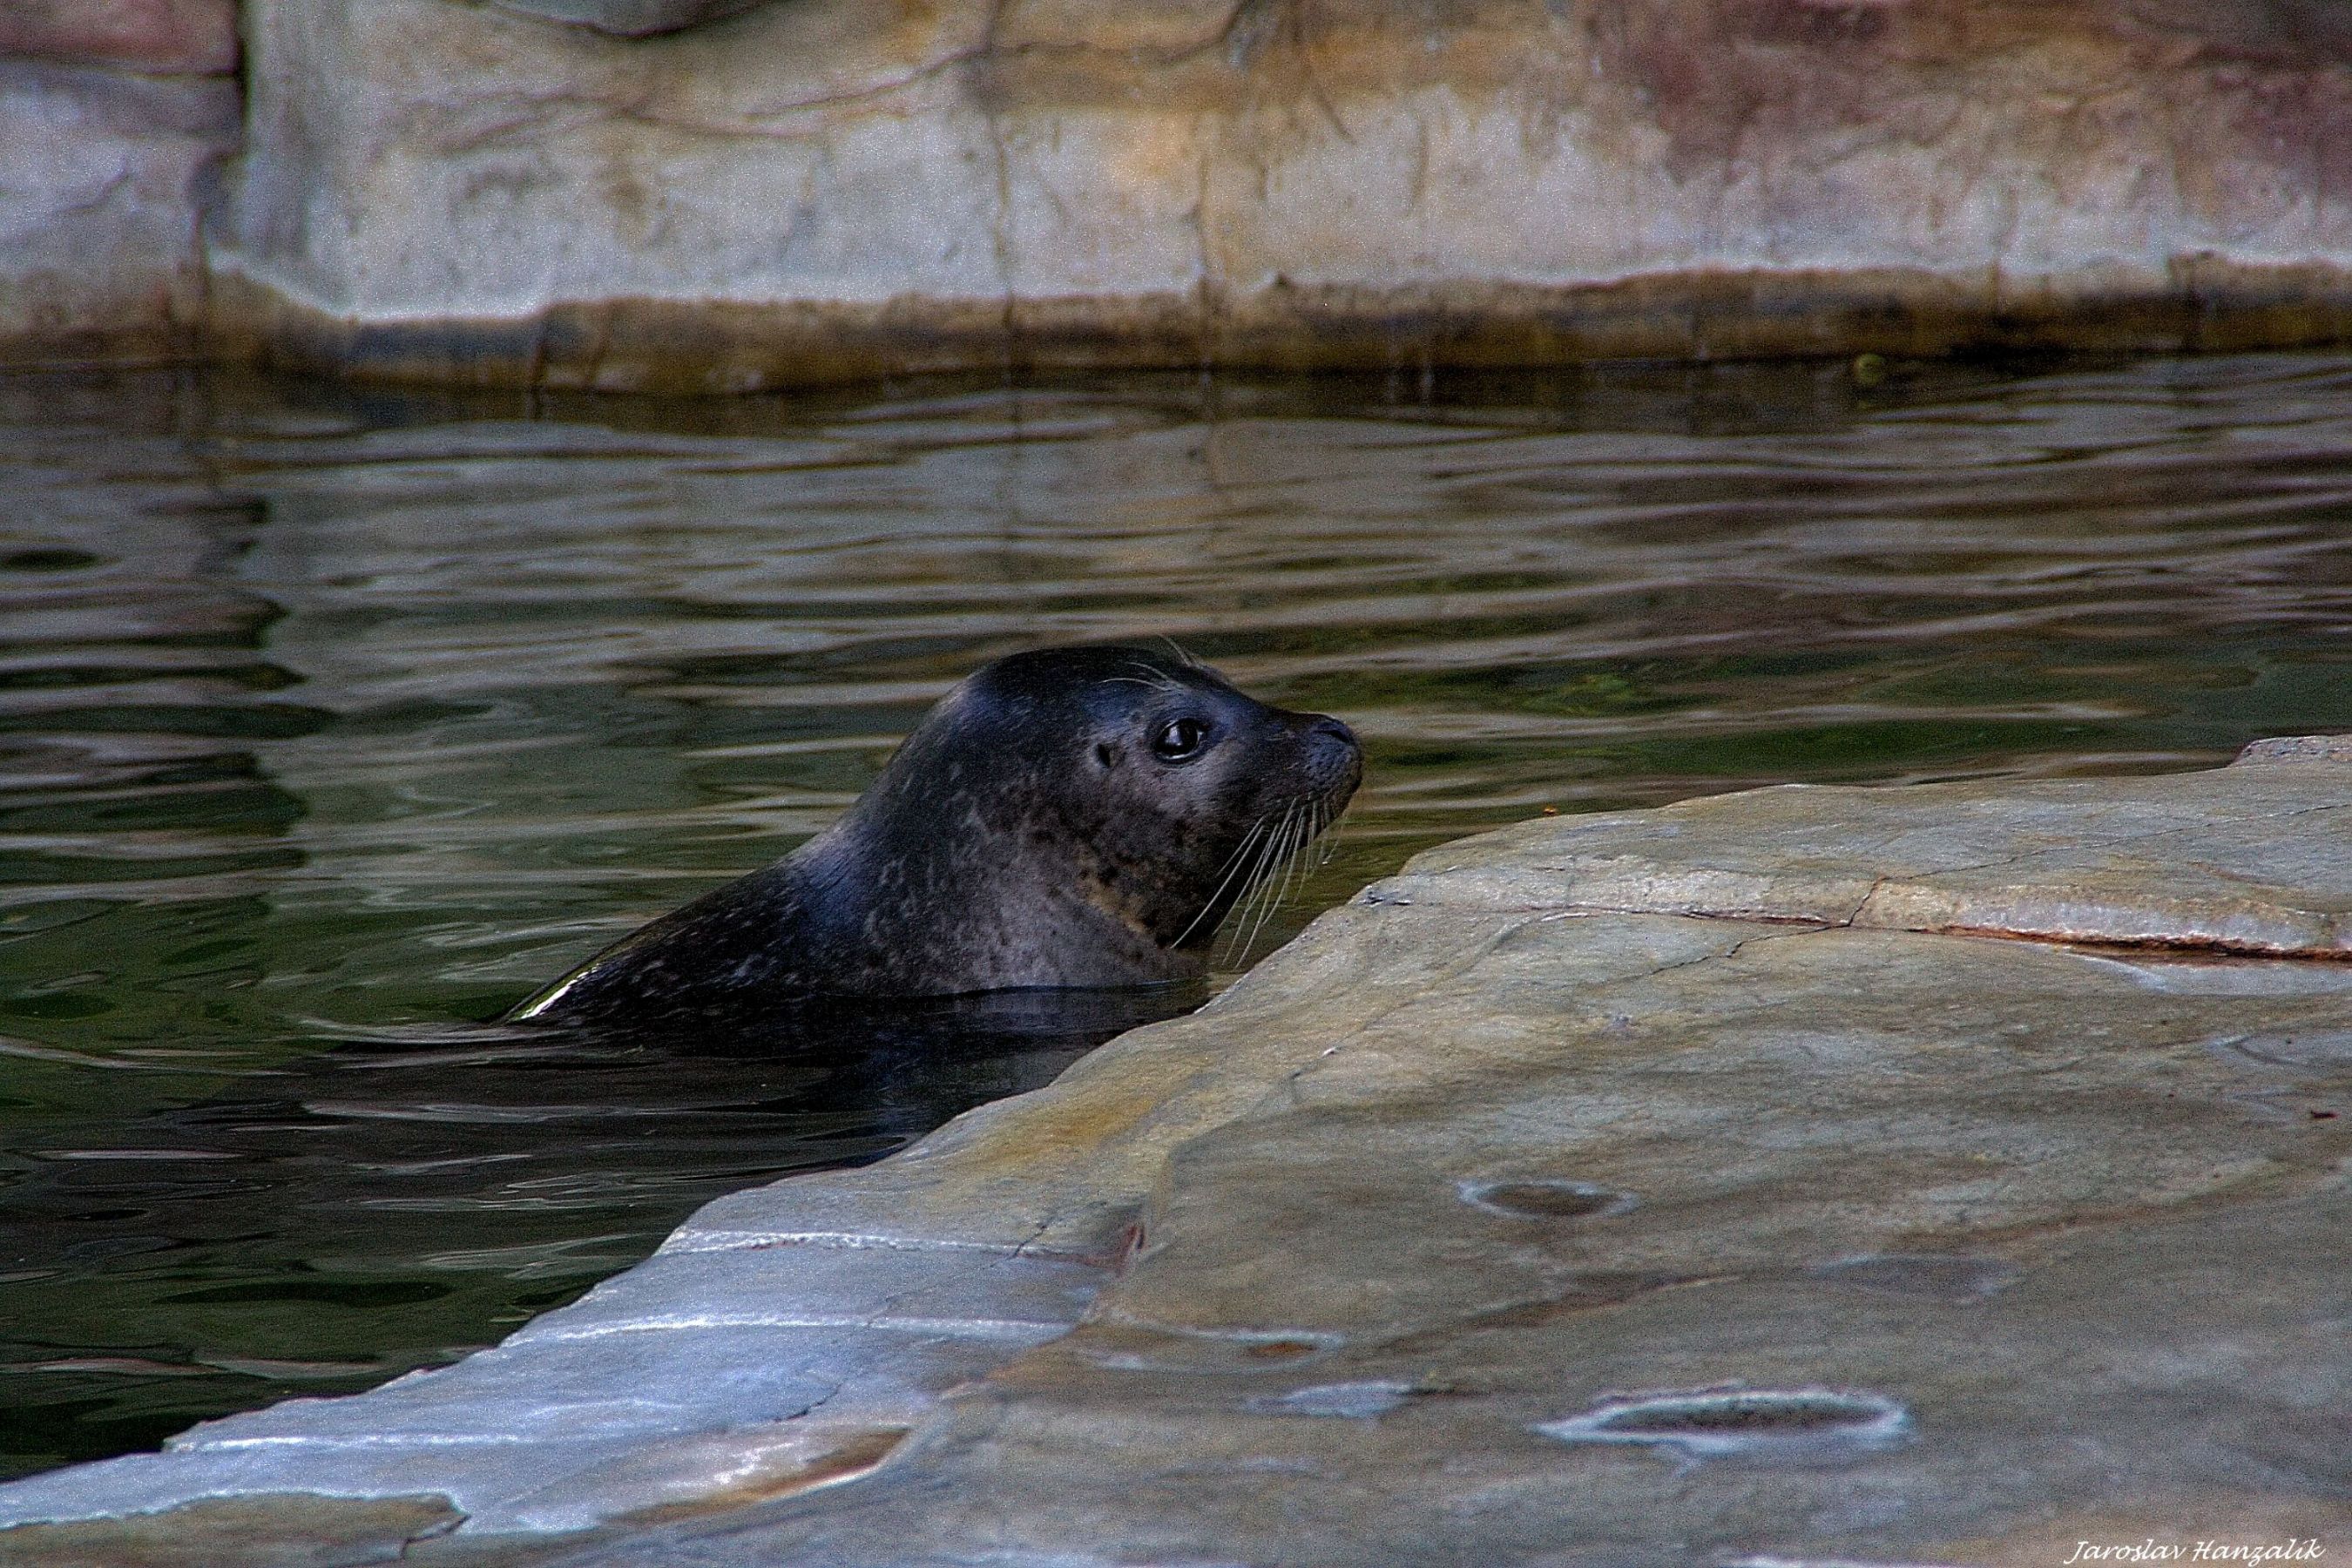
[(1079, 816)]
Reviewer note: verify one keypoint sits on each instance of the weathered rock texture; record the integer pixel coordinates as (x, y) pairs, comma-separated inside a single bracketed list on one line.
[(629, 18), (183, 36), (668, 194), (1662, 1187), (832, 187), (112, 115)]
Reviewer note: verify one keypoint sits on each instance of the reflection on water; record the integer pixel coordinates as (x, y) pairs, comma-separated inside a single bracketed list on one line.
[(328, 718)]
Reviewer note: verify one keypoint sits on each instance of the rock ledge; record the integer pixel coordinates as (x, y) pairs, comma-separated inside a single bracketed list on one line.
[(1648, 1186)]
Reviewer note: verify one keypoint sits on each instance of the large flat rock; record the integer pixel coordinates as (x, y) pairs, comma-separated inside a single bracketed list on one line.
[(1939, 1175), (2239, 860)]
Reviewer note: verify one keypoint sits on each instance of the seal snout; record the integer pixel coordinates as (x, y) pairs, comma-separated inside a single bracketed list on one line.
[(1335, 758), (1328, 728)]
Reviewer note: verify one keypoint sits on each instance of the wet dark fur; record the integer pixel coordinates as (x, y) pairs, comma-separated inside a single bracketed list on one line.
[(1026, 834)]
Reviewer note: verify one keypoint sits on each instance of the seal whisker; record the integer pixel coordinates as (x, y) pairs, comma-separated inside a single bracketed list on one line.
[(1296, 859), (1302, 860), (1238, 917), (1335, 827), (1156, 680), (1226, 873), (1270, 897), (1293, 861), (1238, 943), (1301, 833), (1176, 651)]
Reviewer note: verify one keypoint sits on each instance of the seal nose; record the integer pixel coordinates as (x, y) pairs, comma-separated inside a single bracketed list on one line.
[(1338, 760), (1329, 728)]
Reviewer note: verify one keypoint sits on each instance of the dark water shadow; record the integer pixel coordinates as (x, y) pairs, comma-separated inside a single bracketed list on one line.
[(485, 1116), (390, 1174)]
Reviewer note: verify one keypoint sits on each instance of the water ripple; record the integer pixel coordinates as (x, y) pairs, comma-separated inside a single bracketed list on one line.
[(329, 718)]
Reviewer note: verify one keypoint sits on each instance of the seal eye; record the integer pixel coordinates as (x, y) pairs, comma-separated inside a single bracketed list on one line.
[(1180, 740)]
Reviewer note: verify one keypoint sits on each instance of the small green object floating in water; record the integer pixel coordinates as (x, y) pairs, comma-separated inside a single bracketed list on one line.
[(1869, 370)]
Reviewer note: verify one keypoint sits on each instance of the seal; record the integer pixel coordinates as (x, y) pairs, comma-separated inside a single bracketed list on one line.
[(1070, 817)]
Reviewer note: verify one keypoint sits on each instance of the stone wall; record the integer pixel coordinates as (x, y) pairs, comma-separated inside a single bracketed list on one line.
[(113, 114), (563, 193)]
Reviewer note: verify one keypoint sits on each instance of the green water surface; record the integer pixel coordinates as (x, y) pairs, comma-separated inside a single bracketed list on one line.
[(329, 718)]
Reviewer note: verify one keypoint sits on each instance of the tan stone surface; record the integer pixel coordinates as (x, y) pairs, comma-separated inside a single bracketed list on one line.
[(829, 187), (2233, 860), (245, 1532), (1472, 1228)]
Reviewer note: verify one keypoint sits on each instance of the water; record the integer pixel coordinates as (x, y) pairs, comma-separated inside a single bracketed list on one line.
[(330, 719)]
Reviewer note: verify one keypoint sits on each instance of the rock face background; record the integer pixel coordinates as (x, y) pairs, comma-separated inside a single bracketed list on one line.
[(685, 194), (111, 114)]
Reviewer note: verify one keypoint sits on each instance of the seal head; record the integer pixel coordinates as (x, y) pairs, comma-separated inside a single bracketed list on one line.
[(1079, 817)]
